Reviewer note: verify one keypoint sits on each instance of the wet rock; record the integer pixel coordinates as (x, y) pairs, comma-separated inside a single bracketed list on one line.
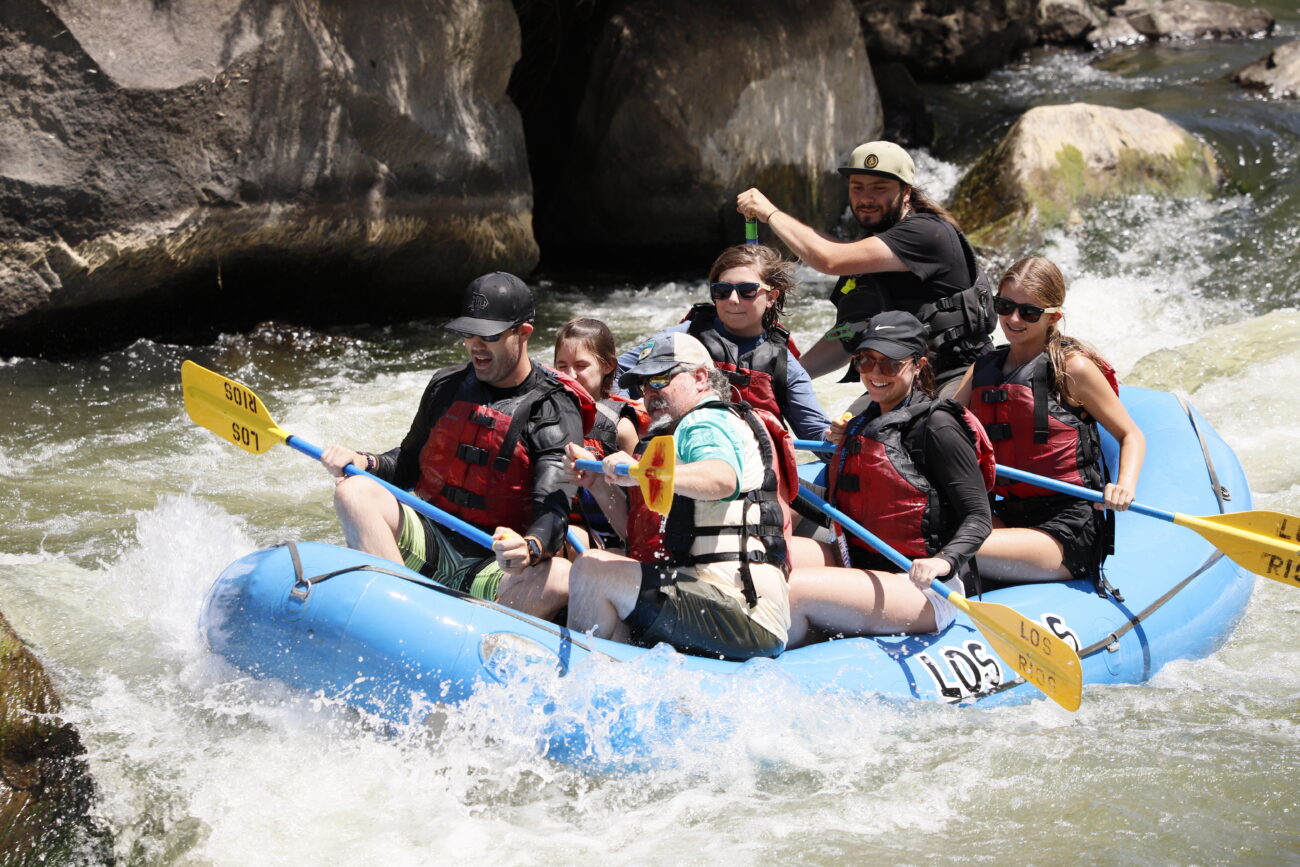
[(689, 103), (908, 121), (45, 789), (1056, 160), (164, 163), (1115, 31), (947, 40), (1194, 19), (1066, 22), (1278, 74)]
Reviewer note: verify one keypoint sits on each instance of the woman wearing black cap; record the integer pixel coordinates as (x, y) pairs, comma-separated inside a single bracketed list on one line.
[(908, 469)]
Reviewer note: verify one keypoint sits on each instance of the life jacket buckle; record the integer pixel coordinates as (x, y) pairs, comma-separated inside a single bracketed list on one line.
[(998, 432), (472, 454), (995, 395)]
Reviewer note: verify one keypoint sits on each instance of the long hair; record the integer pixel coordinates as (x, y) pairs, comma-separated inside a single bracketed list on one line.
[(924, 381), (595, 337), (1044, 283), (923, 204), (772, 270)]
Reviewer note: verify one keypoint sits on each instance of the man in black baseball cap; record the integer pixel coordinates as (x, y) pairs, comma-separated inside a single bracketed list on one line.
[(913, 257), (487, 445)]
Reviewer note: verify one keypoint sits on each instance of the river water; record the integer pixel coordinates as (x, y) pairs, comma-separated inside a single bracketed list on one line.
[(118, 513)]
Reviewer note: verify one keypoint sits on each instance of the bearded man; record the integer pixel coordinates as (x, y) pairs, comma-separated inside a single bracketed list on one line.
[(913, 257)]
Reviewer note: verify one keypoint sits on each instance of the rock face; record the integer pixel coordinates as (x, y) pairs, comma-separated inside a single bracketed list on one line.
[(947, 40), (1278, 74), (209, 154), (1056, 160), (45, 791), (689, 103), (1108, 23)]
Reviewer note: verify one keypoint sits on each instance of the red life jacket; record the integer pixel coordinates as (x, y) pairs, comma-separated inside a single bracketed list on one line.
[(675, 540), (474, 463), (760, 376), (878, 476), (1031, 429)]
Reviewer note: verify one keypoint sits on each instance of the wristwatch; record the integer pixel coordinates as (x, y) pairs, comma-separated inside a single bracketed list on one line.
[(535, 553)]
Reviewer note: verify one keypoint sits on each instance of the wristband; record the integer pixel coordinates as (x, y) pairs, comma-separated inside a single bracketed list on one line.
[(536, 553), (371, 461)]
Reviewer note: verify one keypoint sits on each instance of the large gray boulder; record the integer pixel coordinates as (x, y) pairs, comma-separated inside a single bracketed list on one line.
[(1278, 74), (689, 103), (1194, 19), (210, 155), (45, 790), (945, 40), (1057, 160)]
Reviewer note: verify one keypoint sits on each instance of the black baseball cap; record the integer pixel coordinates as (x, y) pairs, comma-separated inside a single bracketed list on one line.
[(894, 334), (492, 304)]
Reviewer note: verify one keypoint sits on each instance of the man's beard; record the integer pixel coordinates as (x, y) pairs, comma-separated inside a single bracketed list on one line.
[(887, 220), (656, 406), (660, 420)]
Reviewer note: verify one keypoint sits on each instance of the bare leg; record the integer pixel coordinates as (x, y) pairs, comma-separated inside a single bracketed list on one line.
[(806, 552), (540, 590), (370, 517), (836, 601), (604, 590), (1022, 555)]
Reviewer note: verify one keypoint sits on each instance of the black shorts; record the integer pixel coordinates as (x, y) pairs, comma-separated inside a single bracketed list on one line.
[(695, 617), (1071, 521)]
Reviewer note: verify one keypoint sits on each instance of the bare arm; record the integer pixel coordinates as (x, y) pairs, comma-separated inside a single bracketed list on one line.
[(840, 258), (964, 387), (825, 356), (1089, 389)]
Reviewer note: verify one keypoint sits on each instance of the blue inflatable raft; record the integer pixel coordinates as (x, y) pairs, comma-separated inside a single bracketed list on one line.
[(384, 639)]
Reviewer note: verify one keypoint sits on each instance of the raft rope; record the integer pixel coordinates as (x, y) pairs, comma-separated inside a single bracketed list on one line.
[(1221, 493), (302, 589)]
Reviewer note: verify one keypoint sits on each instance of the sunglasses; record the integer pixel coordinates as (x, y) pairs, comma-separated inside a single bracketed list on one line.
[(1028, 312), (660, 382), (746, 291), (465, 335), (889, 367)]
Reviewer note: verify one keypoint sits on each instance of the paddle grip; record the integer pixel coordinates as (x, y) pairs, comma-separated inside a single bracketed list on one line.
[(448, 520), (598, 467)]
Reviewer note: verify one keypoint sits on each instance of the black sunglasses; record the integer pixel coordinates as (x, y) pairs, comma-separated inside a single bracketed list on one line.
[(746, 291), (1028, 312), (465, 335)]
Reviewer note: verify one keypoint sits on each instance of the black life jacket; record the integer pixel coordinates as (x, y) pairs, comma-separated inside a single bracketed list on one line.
[(760, 376), (878, 476), (683, 539), (959, 324), (474, 464)]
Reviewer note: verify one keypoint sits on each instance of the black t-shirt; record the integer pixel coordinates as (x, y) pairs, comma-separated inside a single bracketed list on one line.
[(932, 251)]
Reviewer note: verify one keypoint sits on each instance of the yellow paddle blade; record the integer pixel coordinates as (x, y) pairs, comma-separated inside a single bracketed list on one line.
[(1263, 542), (230, 410), (655, 473), (1036, 654)]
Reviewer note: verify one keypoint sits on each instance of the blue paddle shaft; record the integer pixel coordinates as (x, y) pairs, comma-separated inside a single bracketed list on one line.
[(1014, 475), (448, 520), (869, 537), (598, 467)]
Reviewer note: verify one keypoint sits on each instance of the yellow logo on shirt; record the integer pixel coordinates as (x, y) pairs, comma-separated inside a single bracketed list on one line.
[(849, 285)]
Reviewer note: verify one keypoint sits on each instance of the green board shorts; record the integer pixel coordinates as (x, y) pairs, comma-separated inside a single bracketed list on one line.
[(696, 617), (430, 550)]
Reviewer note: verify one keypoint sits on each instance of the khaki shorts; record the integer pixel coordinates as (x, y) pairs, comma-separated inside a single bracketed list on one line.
[(447, 557), (695, 617)]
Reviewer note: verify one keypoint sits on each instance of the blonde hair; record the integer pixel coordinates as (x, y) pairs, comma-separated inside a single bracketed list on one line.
[(1043, 282), (772, 269)]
